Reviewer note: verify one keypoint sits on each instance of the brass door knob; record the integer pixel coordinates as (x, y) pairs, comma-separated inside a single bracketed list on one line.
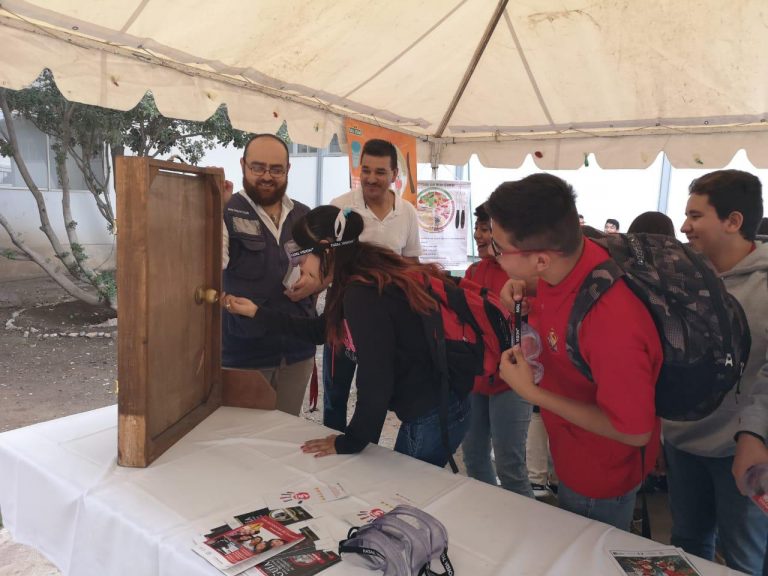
[(206, 295)]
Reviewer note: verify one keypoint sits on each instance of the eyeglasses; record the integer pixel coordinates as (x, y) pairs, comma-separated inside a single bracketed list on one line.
[(498, 253), (258, 169)]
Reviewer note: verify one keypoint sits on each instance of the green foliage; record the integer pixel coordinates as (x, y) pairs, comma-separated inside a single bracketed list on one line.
[(282, 133), (107, 282), (78, 252), (86, 133)]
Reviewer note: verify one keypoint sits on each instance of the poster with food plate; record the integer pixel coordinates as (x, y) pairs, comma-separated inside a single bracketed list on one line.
[(358, 133), (445, 221)]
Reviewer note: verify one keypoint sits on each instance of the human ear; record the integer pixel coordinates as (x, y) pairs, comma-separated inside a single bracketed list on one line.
[(734, 221), (542, 261)]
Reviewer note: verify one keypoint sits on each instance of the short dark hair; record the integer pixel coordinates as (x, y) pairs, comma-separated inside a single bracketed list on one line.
[(381, 148), (614, 222), (762, 229), (652, 223), (538, 213), (733, 191), (481, 214), (267, 135)]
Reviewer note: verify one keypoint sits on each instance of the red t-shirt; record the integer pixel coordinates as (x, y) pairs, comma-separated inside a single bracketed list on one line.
[(489, 274), (619, 342)]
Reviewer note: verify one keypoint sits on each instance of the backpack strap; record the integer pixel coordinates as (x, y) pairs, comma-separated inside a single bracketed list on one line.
[(435, 334), (376, 550), (597, 283)]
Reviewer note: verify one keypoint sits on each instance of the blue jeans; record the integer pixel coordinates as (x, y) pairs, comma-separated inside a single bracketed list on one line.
[(422, 437), (705, 504), (499, 421), (614, 511), (338, 371)]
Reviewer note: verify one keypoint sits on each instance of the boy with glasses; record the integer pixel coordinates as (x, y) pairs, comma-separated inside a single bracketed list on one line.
[(596, 427)]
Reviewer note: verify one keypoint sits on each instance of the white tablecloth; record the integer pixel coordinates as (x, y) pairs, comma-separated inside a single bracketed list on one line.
[(62, 492)]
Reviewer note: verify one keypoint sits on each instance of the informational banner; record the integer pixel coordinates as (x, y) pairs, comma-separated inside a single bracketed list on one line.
[(442, 206), (358, 133)]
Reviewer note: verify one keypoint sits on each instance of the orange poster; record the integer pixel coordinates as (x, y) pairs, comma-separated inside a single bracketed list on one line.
[(358, 133)]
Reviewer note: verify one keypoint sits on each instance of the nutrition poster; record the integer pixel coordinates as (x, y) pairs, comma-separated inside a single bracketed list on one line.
[(445, 221)]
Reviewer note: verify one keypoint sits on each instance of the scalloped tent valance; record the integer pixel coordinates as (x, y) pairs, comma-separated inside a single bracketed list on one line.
[(558, 79)]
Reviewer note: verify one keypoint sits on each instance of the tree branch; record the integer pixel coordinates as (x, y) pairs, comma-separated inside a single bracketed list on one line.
[(58, 277), (45, 223)]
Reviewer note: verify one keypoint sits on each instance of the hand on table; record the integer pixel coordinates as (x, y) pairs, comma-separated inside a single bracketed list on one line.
[(321, 446), (239, 305)]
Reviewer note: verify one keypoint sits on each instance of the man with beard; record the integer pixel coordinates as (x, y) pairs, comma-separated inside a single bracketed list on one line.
[(390, 222), (258, 221)]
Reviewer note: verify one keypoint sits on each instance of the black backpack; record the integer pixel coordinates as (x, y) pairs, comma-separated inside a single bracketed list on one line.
[(703, 329)]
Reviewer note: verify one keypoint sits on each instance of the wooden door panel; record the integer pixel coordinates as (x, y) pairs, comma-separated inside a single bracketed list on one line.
[(169, 342), (176, 323)]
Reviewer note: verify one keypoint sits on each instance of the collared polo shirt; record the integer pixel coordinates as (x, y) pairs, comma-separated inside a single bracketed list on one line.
[(398, 231)]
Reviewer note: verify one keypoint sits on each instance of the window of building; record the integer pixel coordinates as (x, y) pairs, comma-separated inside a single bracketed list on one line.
[(33, 148)]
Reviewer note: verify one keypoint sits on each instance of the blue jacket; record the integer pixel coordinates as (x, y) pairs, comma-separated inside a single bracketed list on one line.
[(256, 268)]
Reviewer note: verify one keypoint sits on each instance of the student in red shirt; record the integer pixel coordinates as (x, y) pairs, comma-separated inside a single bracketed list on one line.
[(596, 428), (500, 417)]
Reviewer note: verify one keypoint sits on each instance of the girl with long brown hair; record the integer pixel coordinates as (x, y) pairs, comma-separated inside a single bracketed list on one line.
[(373, 306)]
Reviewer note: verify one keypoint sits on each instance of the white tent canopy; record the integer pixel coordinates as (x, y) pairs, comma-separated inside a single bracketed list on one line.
[(555, 78)]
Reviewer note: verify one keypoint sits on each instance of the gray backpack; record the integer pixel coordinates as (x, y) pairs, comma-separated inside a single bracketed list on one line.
[(402, 542), (703, 330)]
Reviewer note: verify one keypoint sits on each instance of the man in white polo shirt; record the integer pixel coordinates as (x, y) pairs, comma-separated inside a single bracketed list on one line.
[(390, 222)]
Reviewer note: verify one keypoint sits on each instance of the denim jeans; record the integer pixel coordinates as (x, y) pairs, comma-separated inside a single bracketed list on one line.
[(705, 504), (499, 421), (338, 371), (614, 511), (422, 437)]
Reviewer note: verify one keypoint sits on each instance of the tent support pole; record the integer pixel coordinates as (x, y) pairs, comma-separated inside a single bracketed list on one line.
[(472, 65), (434, 157), (666, 175), (320, 160)]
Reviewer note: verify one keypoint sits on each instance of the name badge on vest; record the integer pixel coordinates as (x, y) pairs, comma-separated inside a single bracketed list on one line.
[(244, 226)]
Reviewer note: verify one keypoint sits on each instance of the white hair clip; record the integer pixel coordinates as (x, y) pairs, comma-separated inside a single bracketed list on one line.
[(340, 224)]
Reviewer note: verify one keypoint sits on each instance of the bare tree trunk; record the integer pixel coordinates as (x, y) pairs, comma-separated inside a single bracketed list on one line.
[(61, 279), (73, 263), (83, 271), (45, 223), (70, 225), (99, 189)]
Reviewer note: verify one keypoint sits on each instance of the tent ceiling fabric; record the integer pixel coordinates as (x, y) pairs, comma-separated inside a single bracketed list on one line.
[(559, 78)]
